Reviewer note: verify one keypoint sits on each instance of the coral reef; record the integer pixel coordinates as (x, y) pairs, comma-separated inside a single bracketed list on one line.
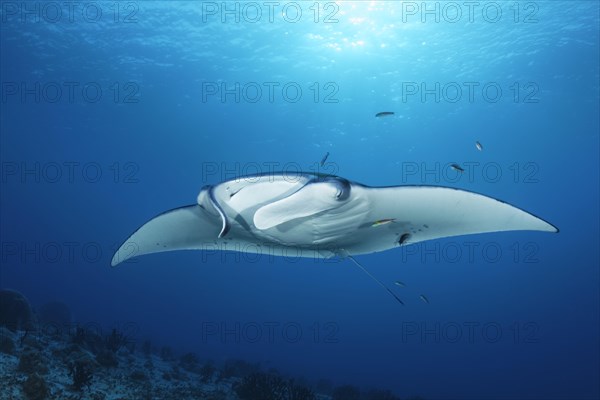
[(15, 311), (138, 375), (54, 314), (115, 341), (107, 359), (88, 339), (324, 386), (147, 348), (189, 362), (346, 392), (239, 368), (81, 374), (207, 371), (31, 361), (7, 345), (264, 386), (85, 365), (35, 388), (166, 353), (377, 394)]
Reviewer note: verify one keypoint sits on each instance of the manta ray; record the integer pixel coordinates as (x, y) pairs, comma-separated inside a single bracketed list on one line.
[(321, 216)]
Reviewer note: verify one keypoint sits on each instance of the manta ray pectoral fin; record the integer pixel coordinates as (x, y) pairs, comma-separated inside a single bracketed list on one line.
[(437, 212), (184, 228), (423, 213)]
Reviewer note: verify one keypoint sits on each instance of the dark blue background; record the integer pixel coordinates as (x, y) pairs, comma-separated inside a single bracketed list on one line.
[(544, 299)]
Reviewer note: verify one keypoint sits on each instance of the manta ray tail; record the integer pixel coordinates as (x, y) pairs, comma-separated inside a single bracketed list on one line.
[(375, 279)]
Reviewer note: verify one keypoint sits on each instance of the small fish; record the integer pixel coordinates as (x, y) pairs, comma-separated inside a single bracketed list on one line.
[(425, 299), (324, 158), (457, 167), (398, 283), (403, 238), (479, 146), (384, 114), (383, 221)]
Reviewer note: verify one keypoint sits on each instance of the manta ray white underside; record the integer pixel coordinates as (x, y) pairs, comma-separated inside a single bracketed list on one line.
[(312, 215)]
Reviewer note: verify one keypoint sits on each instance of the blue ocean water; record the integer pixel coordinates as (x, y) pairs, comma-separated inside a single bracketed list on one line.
[(115, 112)]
